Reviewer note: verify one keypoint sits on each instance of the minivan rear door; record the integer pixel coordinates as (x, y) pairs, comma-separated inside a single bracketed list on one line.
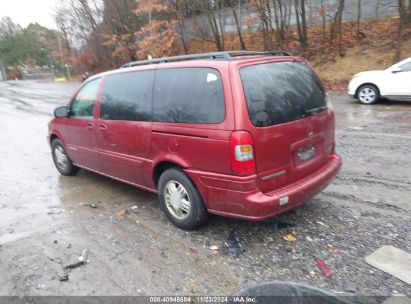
[(292, 127)]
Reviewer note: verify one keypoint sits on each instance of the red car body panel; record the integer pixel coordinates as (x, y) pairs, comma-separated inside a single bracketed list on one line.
[(130, 151)]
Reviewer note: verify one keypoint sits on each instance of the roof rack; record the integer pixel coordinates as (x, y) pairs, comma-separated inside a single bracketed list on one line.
[(213, 55)]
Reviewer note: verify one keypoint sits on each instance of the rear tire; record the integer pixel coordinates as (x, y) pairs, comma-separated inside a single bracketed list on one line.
[(180, 200), (61, 160), (368, 94)]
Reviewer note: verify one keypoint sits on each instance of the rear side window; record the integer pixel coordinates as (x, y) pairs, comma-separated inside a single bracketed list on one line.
[(281, 92), (127, 96), (188, 95), (406, 67)]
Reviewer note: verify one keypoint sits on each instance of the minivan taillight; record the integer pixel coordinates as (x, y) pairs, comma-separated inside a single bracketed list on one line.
[(242, 153)]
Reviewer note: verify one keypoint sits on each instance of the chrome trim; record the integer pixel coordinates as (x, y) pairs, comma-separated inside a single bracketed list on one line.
[(274, 175)]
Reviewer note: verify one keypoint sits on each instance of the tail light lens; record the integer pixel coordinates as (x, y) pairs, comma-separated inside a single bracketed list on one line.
[(242, 153)]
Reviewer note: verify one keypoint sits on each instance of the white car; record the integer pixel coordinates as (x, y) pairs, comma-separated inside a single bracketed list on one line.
[(393, 83)]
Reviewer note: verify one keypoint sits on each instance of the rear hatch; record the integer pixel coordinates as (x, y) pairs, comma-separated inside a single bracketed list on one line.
[(292, 125)]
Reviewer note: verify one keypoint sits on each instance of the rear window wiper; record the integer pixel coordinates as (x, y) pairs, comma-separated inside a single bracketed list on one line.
[(315, 110)]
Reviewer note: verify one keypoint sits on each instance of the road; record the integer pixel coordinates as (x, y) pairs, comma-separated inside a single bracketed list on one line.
[(46, 220)]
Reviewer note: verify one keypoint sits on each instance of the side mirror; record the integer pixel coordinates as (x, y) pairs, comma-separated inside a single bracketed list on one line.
[(396, 70), (61, 112)]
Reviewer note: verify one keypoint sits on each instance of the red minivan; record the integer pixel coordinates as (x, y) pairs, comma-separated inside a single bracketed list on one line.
[(240, 134)]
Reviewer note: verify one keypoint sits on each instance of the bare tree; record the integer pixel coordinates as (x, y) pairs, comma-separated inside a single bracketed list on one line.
[(336, 27), (215, 25), (404, 11), (359, 11), (263, 10), (301, 23), (237, 23)]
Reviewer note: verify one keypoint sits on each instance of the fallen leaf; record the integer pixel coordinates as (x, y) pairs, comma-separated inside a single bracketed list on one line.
[(324, 268), (289, 238), (121, 213), (193, 250)]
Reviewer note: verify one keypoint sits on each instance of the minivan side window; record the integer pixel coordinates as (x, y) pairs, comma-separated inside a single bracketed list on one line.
[(188, 95), (128, 96), (83, 104)]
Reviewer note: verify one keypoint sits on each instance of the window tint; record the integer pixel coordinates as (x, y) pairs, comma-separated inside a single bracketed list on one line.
[(406, 67), (188, 95), (281, 92), (127, 96), (83, 104)]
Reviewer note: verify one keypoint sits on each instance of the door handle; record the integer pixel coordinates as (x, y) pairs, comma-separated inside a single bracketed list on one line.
[(102, 127), (90, 126)]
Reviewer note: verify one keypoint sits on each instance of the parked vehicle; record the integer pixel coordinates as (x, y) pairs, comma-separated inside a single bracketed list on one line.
[(393, 83), (85, 76), (241, 134)]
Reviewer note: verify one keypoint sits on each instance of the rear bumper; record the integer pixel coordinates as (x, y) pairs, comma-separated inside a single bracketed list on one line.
[(240, 197)]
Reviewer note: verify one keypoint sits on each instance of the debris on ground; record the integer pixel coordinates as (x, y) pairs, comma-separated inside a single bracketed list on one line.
[(309, 239), (322, 224), (393, 261), (74, 265), (350, 286), (54, 212), (82, 260), (121, 213), (324, 268), (65, 276), (214, 250), (92, 205), (84, 255), (134, 207), (233, 245), (289, 238), (193, 250)]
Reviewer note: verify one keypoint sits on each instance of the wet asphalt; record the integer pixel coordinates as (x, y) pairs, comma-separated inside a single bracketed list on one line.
[(47, 220)]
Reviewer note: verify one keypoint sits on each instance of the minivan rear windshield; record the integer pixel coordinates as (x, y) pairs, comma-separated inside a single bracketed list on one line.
[(281, 92)]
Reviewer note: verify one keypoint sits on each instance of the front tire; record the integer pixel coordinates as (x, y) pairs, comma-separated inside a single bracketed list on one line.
[(368, 94), (61, 160), (180, 200)]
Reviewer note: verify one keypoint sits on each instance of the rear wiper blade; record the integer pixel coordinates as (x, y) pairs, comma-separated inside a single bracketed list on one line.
[(315, 110)]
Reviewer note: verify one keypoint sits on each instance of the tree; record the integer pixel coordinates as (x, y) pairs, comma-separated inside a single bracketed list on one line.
[(404, 22), (300, 13), (8, 28), (34, 45), (359, 18), (118, 28), (157, 38), (237, 23), (215, 26), (336, 28), (264, 13)]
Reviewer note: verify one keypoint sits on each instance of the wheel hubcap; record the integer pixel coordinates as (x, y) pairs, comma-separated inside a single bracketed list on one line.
[(177, 200), (61, 158), (367, 95)]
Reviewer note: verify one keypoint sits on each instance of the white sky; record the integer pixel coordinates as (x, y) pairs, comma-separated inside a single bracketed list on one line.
[(24, 12)]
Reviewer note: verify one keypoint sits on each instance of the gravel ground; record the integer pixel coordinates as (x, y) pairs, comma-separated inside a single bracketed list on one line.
[(46, 220)]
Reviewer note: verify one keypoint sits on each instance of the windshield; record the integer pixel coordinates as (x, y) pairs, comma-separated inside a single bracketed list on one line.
[(281, 92)]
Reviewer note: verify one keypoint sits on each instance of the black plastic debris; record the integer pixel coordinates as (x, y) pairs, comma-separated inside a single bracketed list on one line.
[(233, 245)]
